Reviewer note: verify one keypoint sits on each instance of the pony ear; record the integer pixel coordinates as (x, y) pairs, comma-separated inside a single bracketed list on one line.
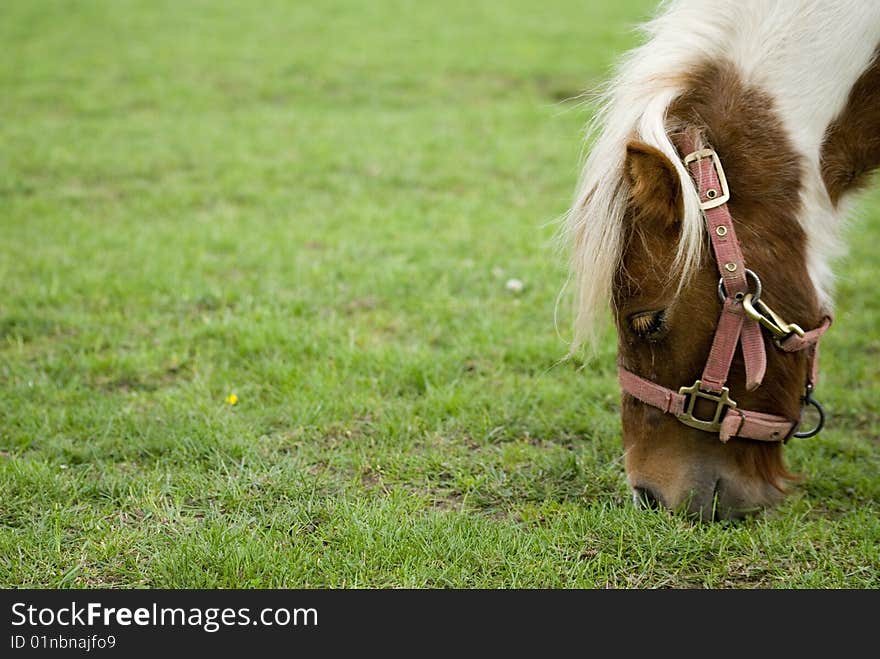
[(655, 190)]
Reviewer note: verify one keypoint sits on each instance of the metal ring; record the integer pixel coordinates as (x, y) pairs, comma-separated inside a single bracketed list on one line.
[(809, 400), (756, 295)]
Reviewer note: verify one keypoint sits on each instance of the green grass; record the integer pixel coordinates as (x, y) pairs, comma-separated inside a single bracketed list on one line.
[(315, 206)]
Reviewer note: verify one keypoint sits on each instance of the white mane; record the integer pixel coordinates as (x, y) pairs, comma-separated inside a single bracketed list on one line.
[(807, 55)]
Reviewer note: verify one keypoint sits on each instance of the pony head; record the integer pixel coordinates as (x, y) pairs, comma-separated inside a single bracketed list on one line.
[(643, 245)]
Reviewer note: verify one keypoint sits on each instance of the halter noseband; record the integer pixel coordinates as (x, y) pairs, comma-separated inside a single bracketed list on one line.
[(743, 313)]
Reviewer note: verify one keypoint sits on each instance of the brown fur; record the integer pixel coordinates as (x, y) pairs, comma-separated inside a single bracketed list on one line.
[(764, 173), (851, 149)]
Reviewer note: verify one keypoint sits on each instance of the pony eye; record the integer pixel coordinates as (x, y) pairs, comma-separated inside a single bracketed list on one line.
[(648, 324)]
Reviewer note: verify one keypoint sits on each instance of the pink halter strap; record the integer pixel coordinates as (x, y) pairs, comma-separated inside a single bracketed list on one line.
[(739, 324)]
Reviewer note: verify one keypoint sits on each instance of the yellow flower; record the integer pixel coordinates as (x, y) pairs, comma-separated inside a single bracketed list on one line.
[(232, 399)]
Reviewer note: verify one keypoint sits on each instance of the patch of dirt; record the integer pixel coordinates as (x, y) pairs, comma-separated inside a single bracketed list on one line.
[(361, 304)]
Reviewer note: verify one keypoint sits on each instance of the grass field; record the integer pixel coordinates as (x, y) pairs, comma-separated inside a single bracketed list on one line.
[(310, 210)]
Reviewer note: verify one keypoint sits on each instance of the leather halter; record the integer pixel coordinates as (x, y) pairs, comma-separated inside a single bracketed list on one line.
[(742, 315)]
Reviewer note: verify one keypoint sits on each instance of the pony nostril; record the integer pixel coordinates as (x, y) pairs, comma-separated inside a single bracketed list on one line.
[(645, 498)]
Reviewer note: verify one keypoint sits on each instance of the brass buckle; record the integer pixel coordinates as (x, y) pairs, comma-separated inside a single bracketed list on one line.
[(722, 179), (758, 310), (721, 403)]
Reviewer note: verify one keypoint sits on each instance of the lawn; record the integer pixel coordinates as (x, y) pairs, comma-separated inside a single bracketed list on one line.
[(255, 329)]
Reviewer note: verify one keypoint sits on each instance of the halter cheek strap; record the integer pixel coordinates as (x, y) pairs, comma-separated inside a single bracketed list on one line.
[(733, 326), (742, 316)]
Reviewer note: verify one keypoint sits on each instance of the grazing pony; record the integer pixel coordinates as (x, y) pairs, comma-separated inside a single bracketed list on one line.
[(726, 152)]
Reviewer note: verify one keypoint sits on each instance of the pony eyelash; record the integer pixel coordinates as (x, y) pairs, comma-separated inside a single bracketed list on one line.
[(647, 323)]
